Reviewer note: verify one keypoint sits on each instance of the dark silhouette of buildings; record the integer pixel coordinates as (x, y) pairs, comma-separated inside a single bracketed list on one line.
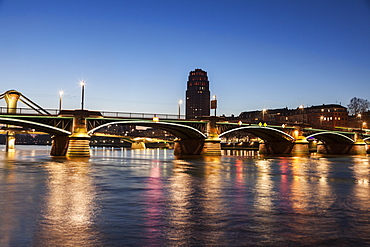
[(197, 95)]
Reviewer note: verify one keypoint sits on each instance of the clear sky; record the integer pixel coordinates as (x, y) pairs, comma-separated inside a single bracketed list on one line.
[(135, 55)]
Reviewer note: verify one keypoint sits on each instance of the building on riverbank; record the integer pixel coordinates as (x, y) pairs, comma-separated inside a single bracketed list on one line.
[(320, 116)]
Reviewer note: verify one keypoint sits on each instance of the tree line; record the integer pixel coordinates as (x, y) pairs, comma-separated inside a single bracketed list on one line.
[(358, 106)]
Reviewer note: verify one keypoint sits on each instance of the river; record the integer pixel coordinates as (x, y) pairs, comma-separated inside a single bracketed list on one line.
[(123, 197)]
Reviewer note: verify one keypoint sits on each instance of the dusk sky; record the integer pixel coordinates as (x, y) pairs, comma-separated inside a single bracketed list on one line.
[(136, 55)]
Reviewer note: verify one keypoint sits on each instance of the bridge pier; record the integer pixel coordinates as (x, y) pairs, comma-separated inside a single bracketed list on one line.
[(59, 146), (212, 147), (138, 145), (188, 147), (312, 146), (11, 98), (79, 144), (359, 147), (10, 141), (300, 147), (208, 147)]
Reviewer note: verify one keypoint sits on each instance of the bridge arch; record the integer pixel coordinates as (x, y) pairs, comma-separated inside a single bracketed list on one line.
[(275, 140), (333, 143), (331, 137), (265, 133), (34, 125), (183, 132)]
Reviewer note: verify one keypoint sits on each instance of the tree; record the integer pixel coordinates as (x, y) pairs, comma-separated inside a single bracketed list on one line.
[(357, 105)]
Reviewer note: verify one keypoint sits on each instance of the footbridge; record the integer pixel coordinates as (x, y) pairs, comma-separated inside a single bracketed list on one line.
[(72, 129)]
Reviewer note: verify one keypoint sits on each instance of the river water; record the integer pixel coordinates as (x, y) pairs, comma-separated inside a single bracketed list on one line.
[(120, 197)]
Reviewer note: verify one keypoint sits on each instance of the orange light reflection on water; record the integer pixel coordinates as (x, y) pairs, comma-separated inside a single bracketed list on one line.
[(69, 206)]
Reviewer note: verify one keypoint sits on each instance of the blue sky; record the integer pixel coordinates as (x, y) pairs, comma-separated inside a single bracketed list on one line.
[(135, 56)]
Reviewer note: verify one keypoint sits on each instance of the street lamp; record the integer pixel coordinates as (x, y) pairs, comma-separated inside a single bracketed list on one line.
[(301, 107), (60, 100), (360, 119), (82, 83), (214, 103), (263, 114), (179, 104)]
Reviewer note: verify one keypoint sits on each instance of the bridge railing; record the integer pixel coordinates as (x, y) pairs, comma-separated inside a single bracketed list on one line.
[(141, 115), (28, 111), (55, 112)]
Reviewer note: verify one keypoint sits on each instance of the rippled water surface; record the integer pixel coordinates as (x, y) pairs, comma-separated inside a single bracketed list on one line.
[(147, 197)]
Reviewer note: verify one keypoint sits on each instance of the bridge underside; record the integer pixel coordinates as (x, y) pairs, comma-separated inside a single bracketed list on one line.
[(274, 141), (34, 125), (190, 141), (60, 136), (182, 132), (336, 143)]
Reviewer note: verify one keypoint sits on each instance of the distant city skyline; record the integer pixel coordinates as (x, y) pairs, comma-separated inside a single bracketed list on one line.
[(135, 56)]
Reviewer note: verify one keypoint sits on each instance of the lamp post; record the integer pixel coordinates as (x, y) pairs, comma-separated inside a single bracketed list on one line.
[(214, 103), (301, 107), (263, 114), (60, 100), (360, 120), (82, 83), (179, 104)]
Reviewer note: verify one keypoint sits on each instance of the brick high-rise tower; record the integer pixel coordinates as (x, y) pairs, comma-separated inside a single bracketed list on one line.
[(197, 95)]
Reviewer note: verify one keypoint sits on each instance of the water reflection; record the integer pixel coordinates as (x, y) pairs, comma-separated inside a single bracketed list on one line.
[(122, 197), (154, 198), (196, 203), (69, 206)]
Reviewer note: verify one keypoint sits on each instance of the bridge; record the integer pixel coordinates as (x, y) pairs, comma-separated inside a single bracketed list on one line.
[(72, 129)]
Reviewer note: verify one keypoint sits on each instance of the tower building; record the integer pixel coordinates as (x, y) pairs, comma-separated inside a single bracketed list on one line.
[(197, 95)]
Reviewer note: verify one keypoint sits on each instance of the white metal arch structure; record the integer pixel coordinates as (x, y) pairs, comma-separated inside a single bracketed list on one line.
[(331, 137), (178, 130), (34, 125), (265, 133)]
